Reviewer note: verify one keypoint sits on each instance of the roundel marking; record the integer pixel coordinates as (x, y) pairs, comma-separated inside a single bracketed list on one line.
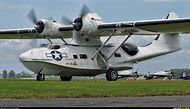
[(56, 55)]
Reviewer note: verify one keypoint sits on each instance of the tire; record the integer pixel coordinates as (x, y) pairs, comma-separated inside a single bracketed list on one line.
[(65, 78), (40, 77), (111, 74)]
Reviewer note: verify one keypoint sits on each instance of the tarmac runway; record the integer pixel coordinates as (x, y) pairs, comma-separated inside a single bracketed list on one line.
[(157, 101)]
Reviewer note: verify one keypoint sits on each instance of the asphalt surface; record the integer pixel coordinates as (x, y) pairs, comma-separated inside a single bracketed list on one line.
[(157, 101)]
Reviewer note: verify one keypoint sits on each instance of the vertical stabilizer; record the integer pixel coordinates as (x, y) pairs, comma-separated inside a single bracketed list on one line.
[(172, 15), (170, 40), (163, 44)]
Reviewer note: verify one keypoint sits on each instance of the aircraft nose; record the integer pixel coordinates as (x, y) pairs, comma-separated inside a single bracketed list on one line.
[(24, 56)]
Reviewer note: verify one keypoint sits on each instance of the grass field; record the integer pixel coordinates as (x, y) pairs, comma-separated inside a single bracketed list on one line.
[(80, 88)]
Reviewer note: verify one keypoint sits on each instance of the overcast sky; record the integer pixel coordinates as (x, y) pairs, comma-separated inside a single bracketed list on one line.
[(13, 14)]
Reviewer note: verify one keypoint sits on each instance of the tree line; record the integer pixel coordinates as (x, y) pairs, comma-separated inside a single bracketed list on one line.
[(12, 74), (178, 72)]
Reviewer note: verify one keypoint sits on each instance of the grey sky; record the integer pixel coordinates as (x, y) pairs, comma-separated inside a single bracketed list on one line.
[(13, 14)]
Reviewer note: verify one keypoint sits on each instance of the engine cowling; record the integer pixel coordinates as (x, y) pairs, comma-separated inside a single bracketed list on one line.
[(48, 27), (87, 24)]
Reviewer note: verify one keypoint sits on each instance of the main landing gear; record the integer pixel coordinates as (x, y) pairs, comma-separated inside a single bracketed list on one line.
[(40, 77), (111, 74)]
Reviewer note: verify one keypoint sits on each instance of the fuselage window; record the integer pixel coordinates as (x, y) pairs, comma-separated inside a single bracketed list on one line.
[(117, 54), (75, 56), (83, 56)]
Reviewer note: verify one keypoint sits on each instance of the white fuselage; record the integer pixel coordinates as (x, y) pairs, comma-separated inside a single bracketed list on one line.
[(76, 60), (71, 60)]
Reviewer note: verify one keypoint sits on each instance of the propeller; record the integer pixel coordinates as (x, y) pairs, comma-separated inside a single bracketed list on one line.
[(33, 43), (32, 16), (78, 22), (67, 21), (39, 25), (85, 10)]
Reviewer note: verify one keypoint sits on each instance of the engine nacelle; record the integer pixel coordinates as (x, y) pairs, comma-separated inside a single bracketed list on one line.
[(88, 24), (48, 27)]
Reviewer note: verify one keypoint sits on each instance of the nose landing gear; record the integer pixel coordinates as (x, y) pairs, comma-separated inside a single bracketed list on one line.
[(40, 77)]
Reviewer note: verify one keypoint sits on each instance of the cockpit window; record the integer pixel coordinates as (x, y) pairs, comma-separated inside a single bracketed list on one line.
[(55, 47), (51, 46)]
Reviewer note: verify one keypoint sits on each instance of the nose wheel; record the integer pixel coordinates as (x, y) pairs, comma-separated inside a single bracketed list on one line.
[(40, 77), (111, 74)]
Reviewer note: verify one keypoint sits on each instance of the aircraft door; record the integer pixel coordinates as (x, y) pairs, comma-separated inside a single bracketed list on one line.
[(102, 60)]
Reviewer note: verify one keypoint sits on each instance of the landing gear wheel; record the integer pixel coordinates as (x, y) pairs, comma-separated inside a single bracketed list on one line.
[(111, 74), (65, 78), (40, 77)]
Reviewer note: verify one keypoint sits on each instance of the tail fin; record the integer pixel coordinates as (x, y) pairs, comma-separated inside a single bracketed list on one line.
[(163, 44), (171, 41), (171, 15)]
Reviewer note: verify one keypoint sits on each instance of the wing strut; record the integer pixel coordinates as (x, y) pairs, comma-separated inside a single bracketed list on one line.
[(120, 45), (107, 64), (104, 43), (63, 40), (48, 39)]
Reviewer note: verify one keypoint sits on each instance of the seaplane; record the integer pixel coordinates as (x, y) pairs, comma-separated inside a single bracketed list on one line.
[(164, 75), (128, 74), (87, 54)]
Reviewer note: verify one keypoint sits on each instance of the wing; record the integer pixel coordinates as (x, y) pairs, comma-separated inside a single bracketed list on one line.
[(90, 26), (17, 33), (46, 29), (179, 25), (42, 28), (171, 24)]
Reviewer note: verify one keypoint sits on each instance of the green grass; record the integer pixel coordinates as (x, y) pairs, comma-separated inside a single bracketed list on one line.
[(80, 88)]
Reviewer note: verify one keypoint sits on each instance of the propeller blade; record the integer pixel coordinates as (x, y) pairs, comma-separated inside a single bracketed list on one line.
[(32, 16), (33, 43), (67, 21), (77, 23), (84, 11)]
